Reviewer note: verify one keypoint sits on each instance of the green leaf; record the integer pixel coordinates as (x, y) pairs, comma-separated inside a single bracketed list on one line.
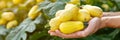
[(40, 19), (20, 31), (52, 8), (3, 30), (1, 37), (31, 27), (117, 3), (55, 8), (114, 33), (38, 35), (24, 36)]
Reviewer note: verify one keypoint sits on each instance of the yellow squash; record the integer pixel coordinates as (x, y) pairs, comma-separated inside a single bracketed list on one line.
[(94, 10), (3, 4), (8, 16), (17, 1), (32, 13), (58, 13), (83, 15), (11, 24), (105, 6), (3, 21), (39, 1), (71, 26), (69, 12), (77, 2), (54, 24)]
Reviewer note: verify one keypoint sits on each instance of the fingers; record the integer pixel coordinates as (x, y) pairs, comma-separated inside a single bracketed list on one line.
[(59, 34), (93, 26), (52, 33)]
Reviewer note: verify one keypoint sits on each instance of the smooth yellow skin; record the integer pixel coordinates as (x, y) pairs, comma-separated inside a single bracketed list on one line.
[(69, 12), (3, 21), (32, 13), (83, 15), (94, 10), (63, 15), (66, 15), (3, 4), (17, 1), (54, 24), (77, 2), (11, 24), (8, 16), (58, 13), (39, 1), (71, 26)]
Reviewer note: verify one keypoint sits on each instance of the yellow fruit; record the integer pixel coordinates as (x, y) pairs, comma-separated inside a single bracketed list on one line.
[(54, 24), (75, 2), (71, 26), (11, 24), (3, 4), (8, 16), (71, 6), (68, 13), (83, 15), (40, 1), (105, 6), (3, 21), (93, 10), (17, 1), (58, 13), (32, 13)]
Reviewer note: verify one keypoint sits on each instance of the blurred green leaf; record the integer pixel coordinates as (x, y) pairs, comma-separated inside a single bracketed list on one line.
[(3, 30), (117, 3), (52, 8), (31, 27), (20, 31)]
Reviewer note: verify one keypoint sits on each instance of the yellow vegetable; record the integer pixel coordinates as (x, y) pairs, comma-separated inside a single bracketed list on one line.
[(93, 10), (54, 24), (8, 16), (39, 1), (83, 15), (105, 6), (58, 13), (3, 21), (69, 12), (3, 4), (11, 24), (17, 1), (71, 6), (77, 2), (32, 13), (71, 26)]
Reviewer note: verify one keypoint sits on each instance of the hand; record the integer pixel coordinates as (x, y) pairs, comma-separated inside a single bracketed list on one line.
[(94, 25)]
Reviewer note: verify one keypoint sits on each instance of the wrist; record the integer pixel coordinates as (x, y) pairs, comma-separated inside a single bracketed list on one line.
[(103, 22)]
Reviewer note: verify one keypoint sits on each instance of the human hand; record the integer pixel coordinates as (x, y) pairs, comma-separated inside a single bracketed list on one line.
[(94, 25)]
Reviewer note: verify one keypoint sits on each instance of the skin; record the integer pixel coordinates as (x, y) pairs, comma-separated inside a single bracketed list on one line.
[(108, 20)]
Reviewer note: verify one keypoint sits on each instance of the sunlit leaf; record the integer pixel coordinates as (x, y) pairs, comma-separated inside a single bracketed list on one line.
[(3, 30)]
